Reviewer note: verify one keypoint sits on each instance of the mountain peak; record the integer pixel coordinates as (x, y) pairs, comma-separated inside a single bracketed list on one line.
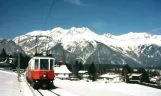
[(79, 34), (57, 29), (136, 35), (82, 29), (108, 35)]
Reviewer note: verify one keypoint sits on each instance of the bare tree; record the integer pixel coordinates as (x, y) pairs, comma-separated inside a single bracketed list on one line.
[(126, 69)]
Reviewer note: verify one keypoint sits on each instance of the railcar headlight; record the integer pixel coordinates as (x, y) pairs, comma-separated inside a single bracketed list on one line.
[(44, 75)]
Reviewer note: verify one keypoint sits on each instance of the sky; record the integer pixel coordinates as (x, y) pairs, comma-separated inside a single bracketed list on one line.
[(18, 17)]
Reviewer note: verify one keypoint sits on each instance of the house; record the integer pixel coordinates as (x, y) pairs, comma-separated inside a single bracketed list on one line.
[(8, 63), (83, 74), (62, 72), (110, 77)]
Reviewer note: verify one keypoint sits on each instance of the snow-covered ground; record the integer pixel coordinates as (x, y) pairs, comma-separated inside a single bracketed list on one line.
[(29, 91), (83, 88), (9, 85)]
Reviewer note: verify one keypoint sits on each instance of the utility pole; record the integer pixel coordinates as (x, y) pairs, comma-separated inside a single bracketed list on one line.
[(36, 42), (18, 65), (36, 45)]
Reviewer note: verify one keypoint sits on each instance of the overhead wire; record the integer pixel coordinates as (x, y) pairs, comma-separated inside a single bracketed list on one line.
[(48, 15), (44, 25), (47, 20), (37, 37)]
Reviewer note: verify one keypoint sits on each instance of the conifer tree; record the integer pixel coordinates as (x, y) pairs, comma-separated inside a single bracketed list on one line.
[(3, 54), (93, 70)]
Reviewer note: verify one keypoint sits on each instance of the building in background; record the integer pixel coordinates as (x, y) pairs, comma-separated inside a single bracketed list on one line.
[(62, 72)]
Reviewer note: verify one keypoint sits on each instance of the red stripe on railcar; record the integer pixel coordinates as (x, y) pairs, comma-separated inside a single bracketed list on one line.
[(37, 74)]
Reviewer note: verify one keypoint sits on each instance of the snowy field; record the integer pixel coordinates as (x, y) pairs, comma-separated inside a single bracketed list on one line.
[(83, 88), (11, 87)]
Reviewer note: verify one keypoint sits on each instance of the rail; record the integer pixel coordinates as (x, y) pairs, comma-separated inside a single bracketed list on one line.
[(47, 93), (150, 85), (32, 90)]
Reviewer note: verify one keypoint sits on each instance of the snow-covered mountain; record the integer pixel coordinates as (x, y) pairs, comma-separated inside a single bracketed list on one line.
[(10, 46), (83, 44)]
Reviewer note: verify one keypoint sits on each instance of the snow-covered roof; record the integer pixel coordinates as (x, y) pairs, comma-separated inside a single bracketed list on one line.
[(82, 71), (109, 75), (62, 69), (85, 75)]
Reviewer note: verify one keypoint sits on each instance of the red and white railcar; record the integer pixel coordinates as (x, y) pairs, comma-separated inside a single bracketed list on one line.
[(40, 71)]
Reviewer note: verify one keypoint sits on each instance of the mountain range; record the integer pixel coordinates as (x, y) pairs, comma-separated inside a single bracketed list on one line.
[(10, 46), (85, 45)]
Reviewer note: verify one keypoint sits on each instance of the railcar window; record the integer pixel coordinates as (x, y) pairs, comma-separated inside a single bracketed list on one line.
[(51, 64), (36, 64), (44, 64)]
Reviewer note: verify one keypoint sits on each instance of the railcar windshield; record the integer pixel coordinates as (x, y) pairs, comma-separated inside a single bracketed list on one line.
[(44, 64)]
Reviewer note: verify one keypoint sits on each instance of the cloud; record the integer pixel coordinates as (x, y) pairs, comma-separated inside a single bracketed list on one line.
[(76, 2)]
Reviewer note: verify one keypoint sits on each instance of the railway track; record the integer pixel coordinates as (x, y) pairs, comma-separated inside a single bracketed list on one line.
[(40, 92), (34, 92), (150, 85), (47, 93), (55, 93)]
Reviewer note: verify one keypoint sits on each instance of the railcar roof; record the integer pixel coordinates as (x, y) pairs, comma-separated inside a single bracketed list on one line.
[(42, 57)]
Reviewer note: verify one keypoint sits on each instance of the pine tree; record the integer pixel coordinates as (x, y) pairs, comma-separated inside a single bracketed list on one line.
[(81, 66), (93, 70), (145, 75), (3, 54), (75, 68), (126, 69)]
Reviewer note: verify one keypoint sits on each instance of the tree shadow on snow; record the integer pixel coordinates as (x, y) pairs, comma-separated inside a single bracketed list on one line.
[(53, 87)]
